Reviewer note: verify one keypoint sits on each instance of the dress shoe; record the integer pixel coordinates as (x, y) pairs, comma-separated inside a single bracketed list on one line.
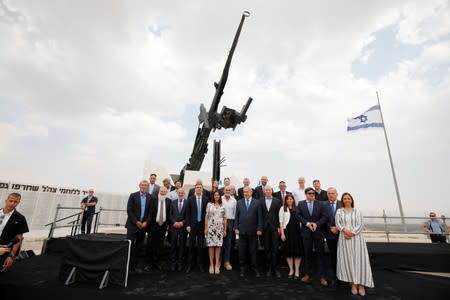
[(323, 282), (296, 277), (179, 268), (268, 273), (202, 269), (242, 273), (257, 274), (277, 274), (173, 268), (227, 266), (306, 278), (290, 276), (157, 267), (188, 269)]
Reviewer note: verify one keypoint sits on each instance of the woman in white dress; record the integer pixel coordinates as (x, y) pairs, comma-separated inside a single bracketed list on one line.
[(215, 230), (353, 264)]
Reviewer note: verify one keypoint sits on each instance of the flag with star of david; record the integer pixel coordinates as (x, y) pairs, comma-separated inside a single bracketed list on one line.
[(369, 119)]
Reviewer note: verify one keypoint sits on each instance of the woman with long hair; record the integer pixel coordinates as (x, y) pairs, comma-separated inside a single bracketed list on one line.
[(215, 230), (353, 264), (290, 236)]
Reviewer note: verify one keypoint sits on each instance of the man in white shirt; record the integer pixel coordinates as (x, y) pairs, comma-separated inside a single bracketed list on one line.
[(299, 193), (229, 202)]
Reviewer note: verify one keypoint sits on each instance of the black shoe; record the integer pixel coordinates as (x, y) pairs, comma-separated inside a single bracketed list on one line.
[(132, 270), (290, 276), (268, 273), (257, 274), (202, 269), (242, 274), (277, 274), (139, 271), (188, 269), (157, 267), (296, 277), (179, 268), (173, 268)]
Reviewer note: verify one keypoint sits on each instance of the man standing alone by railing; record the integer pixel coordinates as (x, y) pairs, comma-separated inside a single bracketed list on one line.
[(88, 206), (437, 229)]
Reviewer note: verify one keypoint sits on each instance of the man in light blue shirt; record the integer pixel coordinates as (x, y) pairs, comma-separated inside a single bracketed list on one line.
[(436, 228)]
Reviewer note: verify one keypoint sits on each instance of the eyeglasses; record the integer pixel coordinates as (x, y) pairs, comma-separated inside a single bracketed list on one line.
[(311, 193)]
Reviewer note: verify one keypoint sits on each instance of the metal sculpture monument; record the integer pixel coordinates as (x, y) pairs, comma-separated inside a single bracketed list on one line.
[(212, 120)]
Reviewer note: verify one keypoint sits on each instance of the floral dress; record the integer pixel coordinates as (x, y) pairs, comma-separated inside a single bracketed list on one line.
[(215, 225)]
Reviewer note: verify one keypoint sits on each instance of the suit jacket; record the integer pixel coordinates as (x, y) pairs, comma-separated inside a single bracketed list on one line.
[(175, 214), (207, 193), (191, 210), (270, 214), (168, 204), (240, 194), (17, 224), (331, 219), (156, 188), (134, 209), (278, 195), (258, 193), (248, 222), (319, 216)]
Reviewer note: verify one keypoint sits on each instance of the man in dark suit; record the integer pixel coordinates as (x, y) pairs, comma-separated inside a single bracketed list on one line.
[(88, 205), (139, 210), (158, 227), (271, 230), (192, 190), (12, 225), (282, 193), (178, 230), (248, 224), (245, 182), (332, 234), (320, 194), (259, 190), (313, 216), (195, 226)]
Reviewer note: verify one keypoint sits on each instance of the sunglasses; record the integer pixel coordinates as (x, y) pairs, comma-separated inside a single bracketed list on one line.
[(312, 193)]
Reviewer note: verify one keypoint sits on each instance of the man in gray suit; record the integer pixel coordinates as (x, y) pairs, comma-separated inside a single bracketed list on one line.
[(332, 234), (248, 224), (153, 188)]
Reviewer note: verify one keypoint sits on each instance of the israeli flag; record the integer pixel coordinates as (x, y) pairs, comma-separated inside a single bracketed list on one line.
[(369, 119)]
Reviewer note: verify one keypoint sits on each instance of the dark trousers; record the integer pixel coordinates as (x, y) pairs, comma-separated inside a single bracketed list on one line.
[(178, 243), (438, 238), (308, 255), (270, 241), (157, 236), (137, 237), (86, 221), (196, 243), (332, 247), (228, 241), (247, 245)]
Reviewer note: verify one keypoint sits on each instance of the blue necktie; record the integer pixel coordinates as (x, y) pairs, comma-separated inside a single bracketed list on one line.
[(310, 208), (333, 207), (247, 203), (199, 210)]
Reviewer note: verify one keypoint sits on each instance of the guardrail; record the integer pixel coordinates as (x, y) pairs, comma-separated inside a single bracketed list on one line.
[(390, 225)]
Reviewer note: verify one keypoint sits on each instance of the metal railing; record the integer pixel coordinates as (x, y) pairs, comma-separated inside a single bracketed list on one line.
[(388, 227)]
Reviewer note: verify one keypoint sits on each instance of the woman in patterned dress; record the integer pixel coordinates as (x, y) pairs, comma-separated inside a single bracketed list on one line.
[(215, 230), (353, 264)]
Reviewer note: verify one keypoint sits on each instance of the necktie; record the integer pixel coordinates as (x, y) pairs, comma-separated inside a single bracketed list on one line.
[(161, 213), (333, 207), (199, 210), (179, 205), (282, 196), (247, 203), (310, 209)]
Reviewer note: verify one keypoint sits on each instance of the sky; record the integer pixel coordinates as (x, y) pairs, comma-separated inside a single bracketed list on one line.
[(89, 90)]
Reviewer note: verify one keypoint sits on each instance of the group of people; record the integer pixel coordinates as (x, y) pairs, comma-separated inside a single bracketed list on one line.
[(298, 222)]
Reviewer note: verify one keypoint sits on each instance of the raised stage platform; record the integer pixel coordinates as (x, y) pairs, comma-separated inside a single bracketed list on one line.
[(394, 268)]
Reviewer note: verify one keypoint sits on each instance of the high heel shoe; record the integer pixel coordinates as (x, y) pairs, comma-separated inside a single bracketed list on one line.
[(354, 290), (217, 270), (211, 270), (361, 291)]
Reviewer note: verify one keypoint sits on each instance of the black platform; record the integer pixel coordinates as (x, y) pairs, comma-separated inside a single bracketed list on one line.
[(392, 263)]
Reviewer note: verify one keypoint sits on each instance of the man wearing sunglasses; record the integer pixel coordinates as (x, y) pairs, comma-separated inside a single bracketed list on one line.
[(436, 228)]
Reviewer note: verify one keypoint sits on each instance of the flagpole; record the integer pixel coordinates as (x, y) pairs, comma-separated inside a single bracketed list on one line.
[(392, 165)]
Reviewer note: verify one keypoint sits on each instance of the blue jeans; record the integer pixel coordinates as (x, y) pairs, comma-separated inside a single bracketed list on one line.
[(227, 241)]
